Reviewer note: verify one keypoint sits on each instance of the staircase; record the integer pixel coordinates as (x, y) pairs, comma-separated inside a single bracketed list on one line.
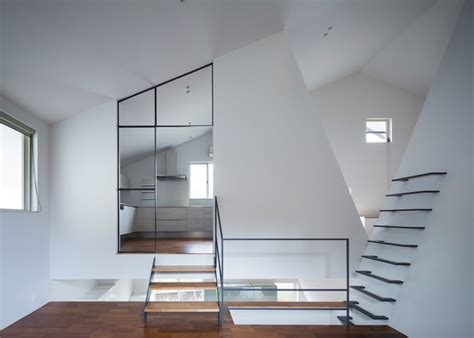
[(383, 281), (198, 279), (171, 280)]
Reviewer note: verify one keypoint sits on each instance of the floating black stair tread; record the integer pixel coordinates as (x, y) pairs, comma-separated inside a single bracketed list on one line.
[(398, 227), (397, 194), (406, 209), (368, 314), (394, 244), (376, 258), (383, 279), (362, 289), (344, 320), (431, 173)]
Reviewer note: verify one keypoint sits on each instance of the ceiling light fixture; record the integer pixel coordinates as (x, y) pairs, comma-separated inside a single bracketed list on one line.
[(327, 32)]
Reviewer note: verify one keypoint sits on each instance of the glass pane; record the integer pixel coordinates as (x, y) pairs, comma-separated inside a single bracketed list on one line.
[(137, 162), (198, 184), (138, 110), (137, 221), (211, 180), (11, 168), (375, 138), (376, 126), (187, 100)]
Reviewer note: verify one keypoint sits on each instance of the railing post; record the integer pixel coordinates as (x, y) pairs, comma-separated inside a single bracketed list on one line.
[(347, 282), (222, 307)]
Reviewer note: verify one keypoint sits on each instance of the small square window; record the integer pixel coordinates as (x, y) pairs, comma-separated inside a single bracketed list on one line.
[(378, 130)]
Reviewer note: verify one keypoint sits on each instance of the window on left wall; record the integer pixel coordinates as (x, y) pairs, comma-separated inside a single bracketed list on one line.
[(15, 164)]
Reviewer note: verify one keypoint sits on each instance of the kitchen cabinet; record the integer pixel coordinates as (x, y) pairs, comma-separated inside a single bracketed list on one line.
[(174, 219)]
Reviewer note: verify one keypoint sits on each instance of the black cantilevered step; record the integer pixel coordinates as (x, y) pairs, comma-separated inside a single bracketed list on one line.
[(398, 227), (362, 289), (431, 173), (344, 320), (376, 258), (368, 314), (398, 194), (383, 279), (406, 209), (394, 244)]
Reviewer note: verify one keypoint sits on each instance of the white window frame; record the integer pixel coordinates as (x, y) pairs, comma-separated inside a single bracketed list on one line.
[(207, 180), (28, 134), (387, 132)]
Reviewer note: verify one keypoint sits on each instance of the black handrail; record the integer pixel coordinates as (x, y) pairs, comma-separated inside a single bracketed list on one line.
[(220, 264)]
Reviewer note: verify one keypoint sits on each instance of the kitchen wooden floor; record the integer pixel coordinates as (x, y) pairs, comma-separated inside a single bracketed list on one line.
[(125, 320), (170, 246)]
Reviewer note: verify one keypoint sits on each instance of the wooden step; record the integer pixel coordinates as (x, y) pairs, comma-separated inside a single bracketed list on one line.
[(184, 268), (183, 286), (285, 305), (182, 307)]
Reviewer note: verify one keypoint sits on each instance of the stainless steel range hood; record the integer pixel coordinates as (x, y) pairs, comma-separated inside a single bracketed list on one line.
[(171, 168)]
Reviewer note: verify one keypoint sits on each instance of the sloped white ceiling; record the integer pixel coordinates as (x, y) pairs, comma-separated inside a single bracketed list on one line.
[(62, 57), (412, 59), (360, 29)]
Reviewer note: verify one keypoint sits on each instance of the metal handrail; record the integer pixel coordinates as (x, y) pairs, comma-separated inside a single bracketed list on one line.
[(220, 263)]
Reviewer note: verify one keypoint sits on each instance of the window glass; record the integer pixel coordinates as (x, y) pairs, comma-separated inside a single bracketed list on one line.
[(198, 181), (378, 130), (201, 181), (12, 168), (211, 180)]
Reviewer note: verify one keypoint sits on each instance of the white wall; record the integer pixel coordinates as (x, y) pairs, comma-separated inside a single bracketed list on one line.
[(275, 172), (367, 168), (436, 297), (442, 140), (24, 239), (83, 192)]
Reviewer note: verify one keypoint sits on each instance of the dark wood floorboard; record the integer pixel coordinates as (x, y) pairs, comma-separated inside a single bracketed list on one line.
[(125, 320), (168, 246)]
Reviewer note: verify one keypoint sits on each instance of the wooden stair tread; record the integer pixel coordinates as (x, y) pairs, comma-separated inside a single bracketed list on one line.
[(285, 305), (182, 307), (183, 268), (183, 285)]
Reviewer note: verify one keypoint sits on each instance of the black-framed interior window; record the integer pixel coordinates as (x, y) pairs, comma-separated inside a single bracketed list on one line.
[(149, 124)]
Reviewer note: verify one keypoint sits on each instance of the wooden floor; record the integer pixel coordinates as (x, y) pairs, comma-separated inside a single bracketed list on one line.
[(168, 246), (125, 320)]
